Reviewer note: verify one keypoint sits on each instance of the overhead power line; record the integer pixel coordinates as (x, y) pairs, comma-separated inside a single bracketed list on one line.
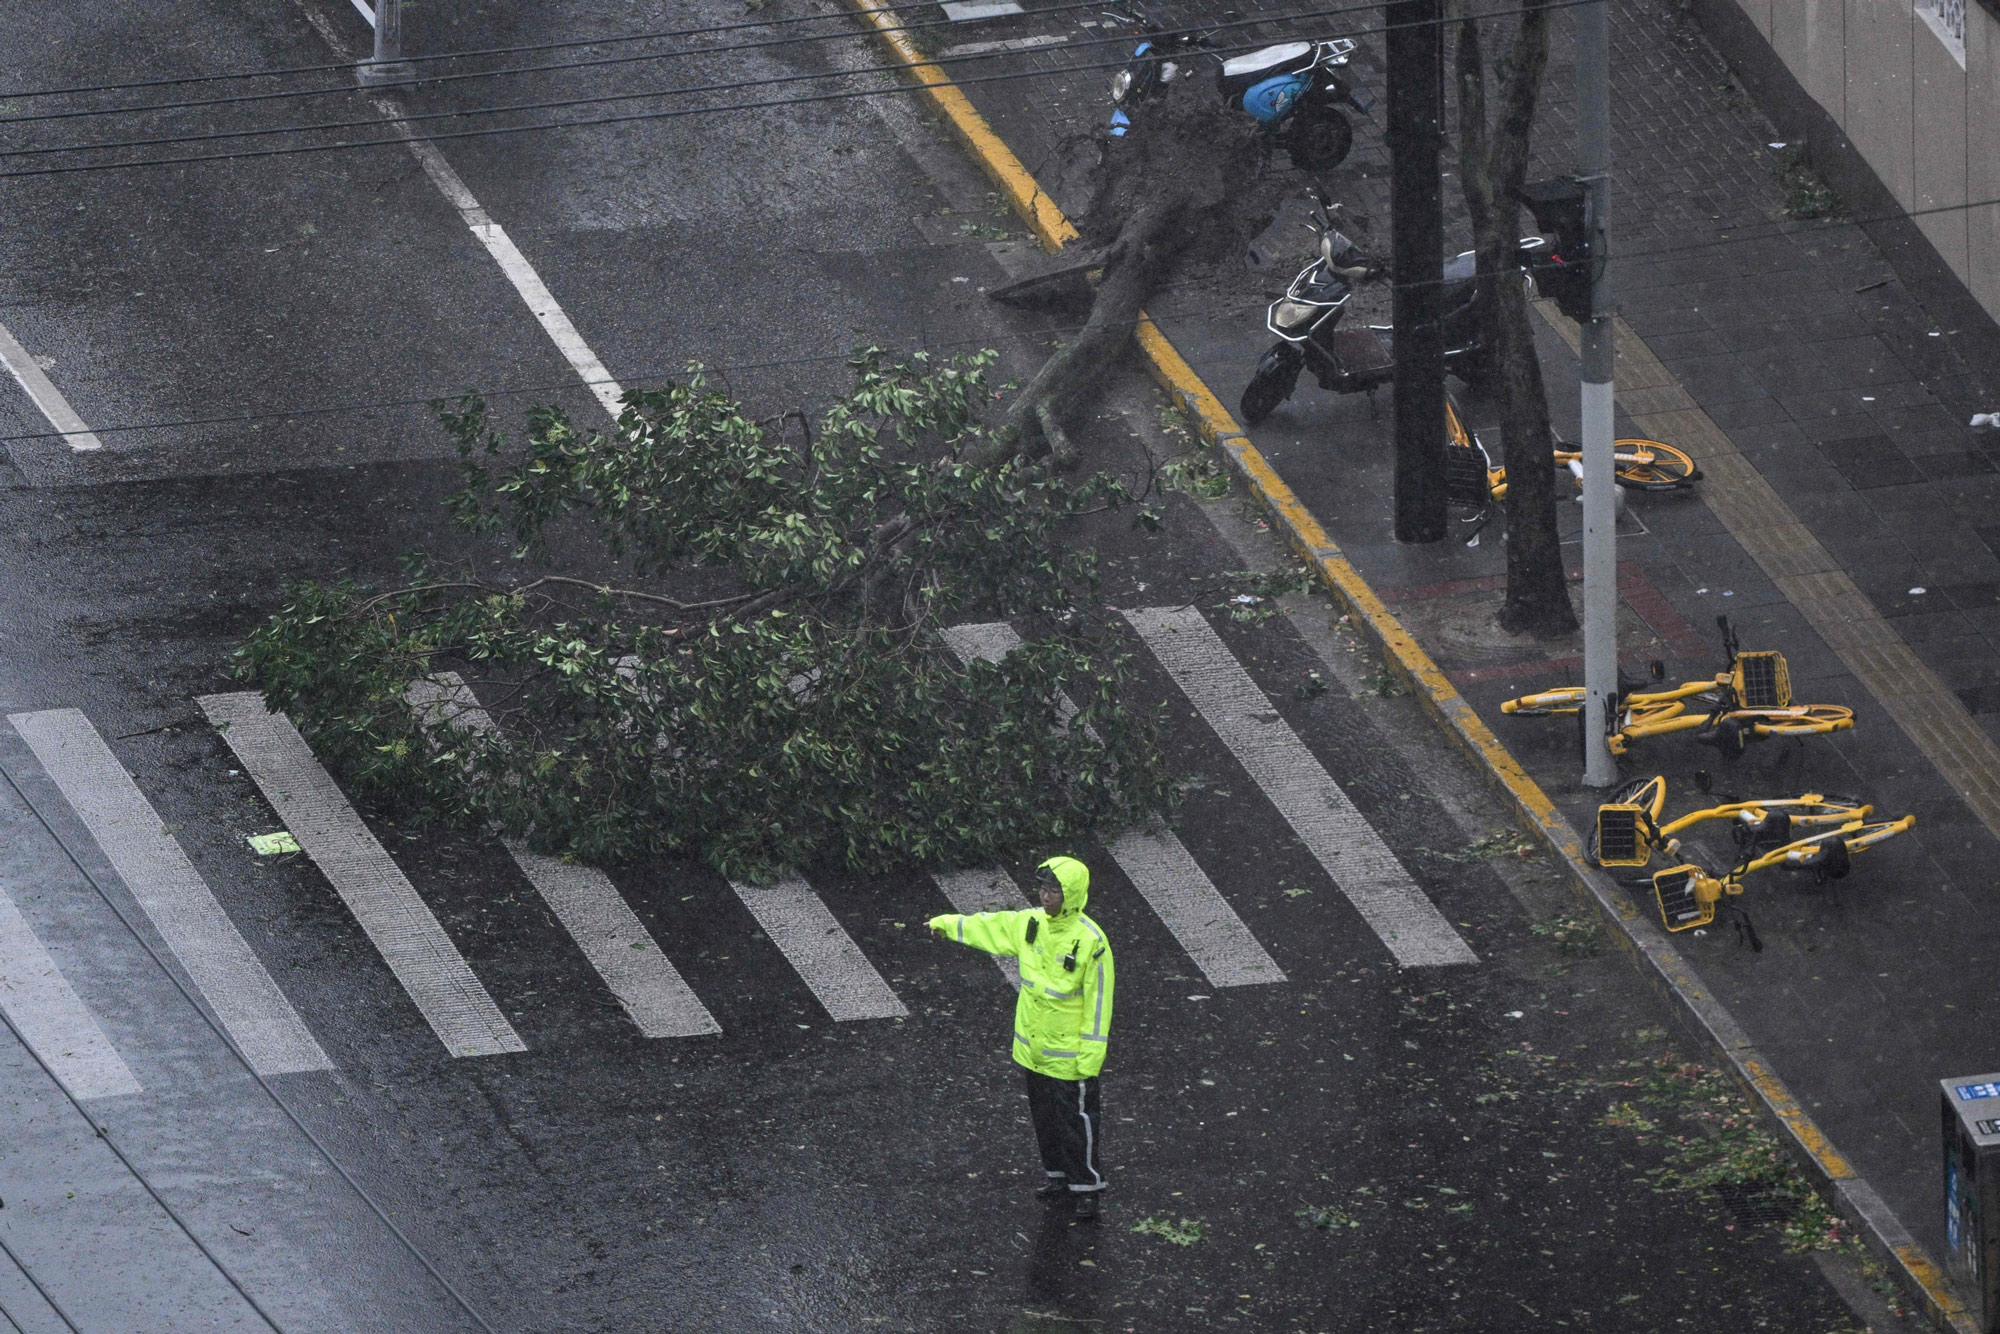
[(347, 66), (350, 88), (676, 113), (602, 98), (726, 369)]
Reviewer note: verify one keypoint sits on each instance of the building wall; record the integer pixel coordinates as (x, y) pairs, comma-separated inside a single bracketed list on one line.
[(1925, 120)]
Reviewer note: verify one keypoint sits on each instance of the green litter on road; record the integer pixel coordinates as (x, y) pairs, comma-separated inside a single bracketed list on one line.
[(270, 845)]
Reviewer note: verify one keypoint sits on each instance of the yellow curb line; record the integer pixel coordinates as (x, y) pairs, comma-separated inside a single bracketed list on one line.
[(1434, 690)]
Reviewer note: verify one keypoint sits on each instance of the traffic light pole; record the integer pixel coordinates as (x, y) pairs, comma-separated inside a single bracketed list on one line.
[(1416, 227), (387, 64), (1600, 517)]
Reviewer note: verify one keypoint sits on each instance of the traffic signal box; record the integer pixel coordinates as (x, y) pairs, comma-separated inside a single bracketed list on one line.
[(1562, 213), (1972, 1192)]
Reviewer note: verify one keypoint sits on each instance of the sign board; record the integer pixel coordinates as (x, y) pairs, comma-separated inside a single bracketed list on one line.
[(1946, 18)]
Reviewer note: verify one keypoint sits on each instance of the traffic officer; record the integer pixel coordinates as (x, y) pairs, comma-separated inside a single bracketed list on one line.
[(1062, 1020)]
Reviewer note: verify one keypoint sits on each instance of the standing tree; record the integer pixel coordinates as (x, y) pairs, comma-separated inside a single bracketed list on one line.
[(1493, 163), (728, 644)]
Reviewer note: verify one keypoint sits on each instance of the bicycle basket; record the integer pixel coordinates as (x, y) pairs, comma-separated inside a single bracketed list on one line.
[(1465, 476), (1681, 908), (1623, 836), (1763, 681)]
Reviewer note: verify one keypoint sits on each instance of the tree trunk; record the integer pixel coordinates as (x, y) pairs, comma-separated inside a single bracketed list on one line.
[(1140, 261), (1416, 54), (1492, 165)]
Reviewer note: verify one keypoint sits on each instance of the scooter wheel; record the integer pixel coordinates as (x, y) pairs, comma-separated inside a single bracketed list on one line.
[(1277, 374), (1322, 142)]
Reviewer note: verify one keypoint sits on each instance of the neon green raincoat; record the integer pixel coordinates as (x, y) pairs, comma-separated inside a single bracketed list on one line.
[(1062, 1020)]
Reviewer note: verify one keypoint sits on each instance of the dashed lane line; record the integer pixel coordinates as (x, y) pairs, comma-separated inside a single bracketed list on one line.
[(547, 311), (805, 932), (46, 396), (989, 890), (541, 303), (1159, 865), (367, 879), (1319, 812), (51, 1017), (245, 999), (588, 905)]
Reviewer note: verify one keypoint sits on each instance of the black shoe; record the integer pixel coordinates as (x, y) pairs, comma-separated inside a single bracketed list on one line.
[(1054, 1190), (1086, 1206)]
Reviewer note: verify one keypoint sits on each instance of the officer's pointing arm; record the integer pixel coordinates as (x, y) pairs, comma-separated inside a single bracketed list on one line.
[(993, 932)]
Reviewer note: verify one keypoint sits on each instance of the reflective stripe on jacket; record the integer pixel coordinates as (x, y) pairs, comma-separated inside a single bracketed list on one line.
[(1062, 1018)]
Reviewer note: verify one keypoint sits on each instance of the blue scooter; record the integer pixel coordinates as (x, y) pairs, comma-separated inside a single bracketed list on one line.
[(1296, 90)]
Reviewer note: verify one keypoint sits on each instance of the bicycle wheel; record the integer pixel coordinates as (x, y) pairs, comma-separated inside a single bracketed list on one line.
[(1656, 467), (1805, 720), (1563, 699)]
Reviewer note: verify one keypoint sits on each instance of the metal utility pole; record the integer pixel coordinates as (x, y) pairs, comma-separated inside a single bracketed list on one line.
[(1600, 517), (387, 65), (1416, 219)]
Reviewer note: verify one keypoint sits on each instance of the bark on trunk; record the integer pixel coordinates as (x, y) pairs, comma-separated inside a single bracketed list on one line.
[(1185, 185), (1493, 162)]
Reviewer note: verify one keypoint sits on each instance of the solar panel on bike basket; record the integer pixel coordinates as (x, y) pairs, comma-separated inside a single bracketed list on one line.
[(1766, 683), (1465, 476)]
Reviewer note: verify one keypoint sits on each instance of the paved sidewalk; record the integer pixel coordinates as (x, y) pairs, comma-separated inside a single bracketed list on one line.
[(1794, 348)]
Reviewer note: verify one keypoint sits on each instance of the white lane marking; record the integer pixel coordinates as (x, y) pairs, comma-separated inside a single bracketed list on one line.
[(1318, 811), (245, 999), (1011, 44), (51, 1017), (1159, 865), (805, 932), (46, 396), (554, 320), (585, 901), (489, 234), (989, 890), (367, 879)]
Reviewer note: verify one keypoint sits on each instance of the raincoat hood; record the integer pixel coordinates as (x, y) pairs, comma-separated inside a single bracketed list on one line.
[(1074, 877)]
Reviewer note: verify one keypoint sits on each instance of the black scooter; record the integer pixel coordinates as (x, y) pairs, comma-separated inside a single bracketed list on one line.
[(1307, 318)]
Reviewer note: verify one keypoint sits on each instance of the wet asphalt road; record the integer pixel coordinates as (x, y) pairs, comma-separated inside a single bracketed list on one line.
[(792, 1173)]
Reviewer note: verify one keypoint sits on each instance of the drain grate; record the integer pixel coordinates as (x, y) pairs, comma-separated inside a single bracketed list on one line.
[(1750, 1203)]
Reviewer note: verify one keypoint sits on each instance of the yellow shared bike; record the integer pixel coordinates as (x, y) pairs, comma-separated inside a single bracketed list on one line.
[(1474, 482), (1749, 699), (1814, 833)]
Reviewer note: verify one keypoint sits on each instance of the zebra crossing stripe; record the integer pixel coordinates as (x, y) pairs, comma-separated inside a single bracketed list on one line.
[(1158, 864), (238, 989), (588, 905), (51, 1017), (989, 890), (805, 932), (1162, 868), (1354, 855), (367, 879)]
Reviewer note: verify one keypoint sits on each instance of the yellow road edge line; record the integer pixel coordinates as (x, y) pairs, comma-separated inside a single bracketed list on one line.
[(1434, 690), (1021, 189)]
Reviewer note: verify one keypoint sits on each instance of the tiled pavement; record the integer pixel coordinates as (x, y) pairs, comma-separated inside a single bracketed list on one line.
[(1799, 346)]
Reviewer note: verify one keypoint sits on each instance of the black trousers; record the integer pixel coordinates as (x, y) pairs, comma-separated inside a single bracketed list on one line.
[(1067, 1128)]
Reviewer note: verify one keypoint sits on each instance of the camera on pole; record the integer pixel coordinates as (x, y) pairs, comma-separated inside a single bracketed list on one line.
[(1564, 273)]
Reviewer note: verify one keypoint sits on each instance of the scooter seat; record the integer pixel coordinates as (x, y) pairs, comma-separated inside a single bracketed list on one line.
[(1240, 73)]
